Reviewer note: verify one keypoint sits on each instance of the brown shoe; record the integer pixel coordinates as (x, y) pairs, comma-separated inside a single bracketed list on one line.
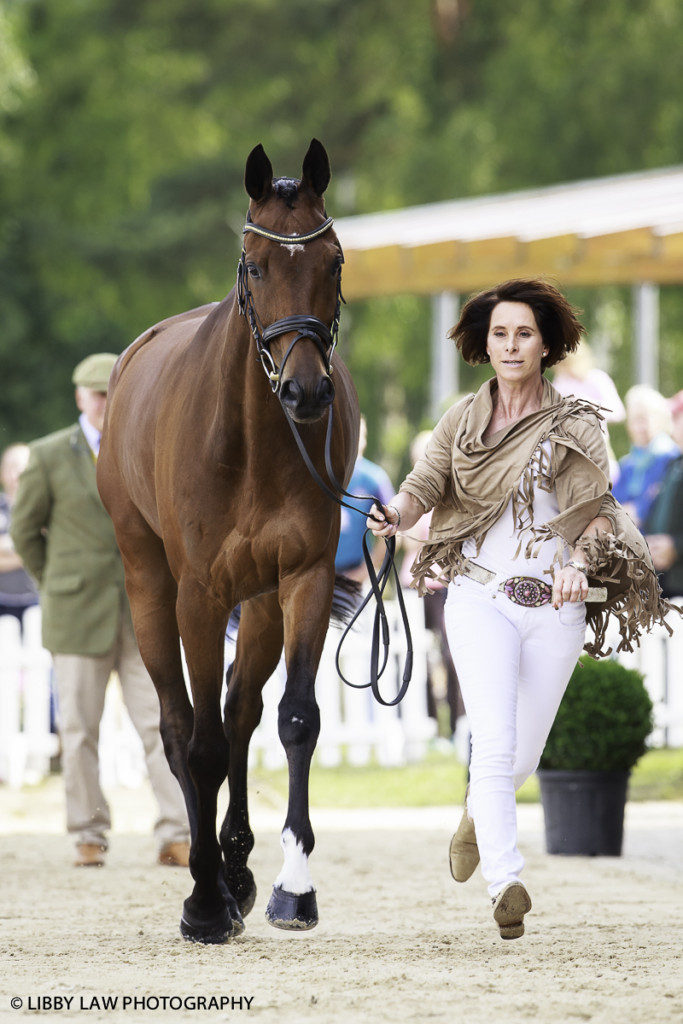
[(89, 855), (509, 908), (175, 855), (463, 853)]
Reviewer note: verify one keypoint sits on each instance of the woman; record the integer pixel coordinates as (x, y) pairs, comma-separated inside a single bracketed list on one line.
[(517, 476)]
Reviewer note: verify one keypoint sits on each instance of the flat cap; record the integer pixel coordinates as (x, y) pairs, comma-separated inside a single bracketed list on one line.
[(94, 371)]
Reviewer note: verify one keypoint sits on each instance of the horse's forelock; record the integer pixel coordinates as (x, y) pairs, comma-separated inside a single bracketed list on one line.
[(286, 189)]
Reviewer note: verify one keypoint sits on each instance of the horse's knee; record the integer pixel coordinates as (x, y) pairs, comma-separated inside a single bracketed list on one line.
[(208, 761), (242, 713), (298, 722)]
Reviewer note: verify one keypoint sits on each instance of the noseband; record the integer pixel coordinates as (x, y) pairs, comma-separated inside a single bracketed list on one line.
[(305, 325)]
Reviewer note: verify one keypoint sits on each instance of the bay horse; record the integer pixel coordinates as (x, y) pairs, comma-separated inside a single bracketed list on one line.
[(213, 507)]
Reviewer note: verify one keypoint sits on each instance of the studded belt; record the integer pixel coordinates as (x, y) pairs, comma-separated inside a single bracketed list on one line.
[(525, 590)]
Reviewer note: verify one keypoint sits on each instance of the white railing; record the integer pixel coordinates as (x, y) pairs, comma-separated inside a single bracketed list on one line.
[(660, 659), (354, 728), (26, 743)]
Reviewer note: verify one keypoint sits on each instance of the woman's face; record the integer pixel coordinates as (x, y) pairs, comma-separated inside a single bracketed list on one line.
[(639, 425), (514, 343)]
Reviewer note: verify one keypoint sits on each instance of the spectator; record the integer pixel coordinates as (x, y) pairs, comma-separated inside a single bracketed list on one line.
[(648, 421), (66, 540), (578, 375), (17, 591), (368, 479), (663, 526)]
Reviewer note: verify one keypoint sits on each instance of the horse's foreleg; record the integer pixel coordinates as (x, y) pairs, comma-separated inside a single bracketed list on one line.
[(306, 601), (259, 645), (152, 593), (207, 913)]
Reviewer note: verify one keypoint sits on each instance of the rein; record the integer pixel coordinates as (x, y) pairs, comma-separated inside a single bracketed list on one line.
[(325, 338), (378, 581)]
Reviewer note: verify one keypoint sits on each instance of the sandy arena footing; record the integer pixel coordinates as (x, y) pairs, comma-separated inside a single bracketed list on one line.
[(397, 939)]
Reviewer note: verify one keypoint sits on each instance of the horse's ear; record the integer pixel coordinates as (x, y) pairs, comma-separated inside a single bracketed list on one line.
[(258, 174), (316, 170)]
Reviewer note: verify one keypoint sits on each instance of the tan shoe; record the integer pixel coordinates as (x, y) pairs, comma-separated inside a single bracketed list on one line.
[(509, 908), (175, 855), (463, 852), (89, 855)]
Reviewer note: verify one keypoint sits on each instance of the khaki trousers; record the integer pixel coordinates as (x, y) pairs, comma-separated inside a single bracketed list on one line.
[(81, 685)]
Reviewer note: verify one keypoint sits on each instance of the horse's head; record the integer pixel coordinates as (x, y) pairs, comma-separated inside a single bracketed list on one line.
[(289, 280)]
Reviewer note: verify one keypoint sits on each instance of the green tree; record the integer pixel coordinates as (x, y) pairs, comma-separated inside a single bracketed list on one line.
[(124, 127)]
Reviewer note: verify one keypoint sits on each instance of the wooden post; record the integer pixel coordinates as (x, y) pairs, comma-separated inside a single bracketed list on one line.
[(444, 370), (646, 329)]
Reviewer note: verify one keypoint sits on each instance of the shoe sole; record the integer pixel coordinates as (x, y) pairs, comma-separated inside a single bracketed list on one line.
[(514, 903)]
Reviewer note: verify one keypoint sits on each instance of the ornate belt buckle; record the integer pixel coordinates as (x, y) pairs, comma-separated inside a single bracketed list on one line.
[(527, 591)]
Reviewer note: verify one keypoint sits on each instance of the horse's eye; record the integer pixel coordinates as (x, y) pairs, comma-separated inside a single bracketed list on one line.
[(253, 270)]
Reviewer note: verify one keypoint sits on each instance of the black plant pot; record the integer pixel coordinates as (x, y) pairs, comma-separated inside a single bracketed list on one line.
[(584, 812)]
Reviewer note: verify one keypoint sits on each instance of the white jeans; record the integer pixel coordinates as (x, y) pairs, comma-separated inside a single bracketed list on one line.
[(513, 665)]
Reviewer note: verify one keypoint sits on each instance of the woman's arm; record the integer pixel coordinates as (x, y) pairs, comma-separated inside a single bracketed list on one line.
[(571, 582)]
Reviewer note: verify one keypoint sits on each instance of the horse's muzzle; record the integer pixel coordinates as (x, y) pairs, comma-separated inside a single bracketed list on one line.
[(305, 404)]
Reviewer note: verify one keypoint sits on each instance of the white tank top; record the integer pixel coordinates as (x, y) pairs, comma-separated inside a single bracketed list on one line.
[(500, 543)]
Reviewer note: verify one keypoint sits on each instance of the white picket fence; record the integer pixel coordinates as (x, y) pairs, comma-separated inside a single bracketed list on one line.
[(354, 728), (26, 743)]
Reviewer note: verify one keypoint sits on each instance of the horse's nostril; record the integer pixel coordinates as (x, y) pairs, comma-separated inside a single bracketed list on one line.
[(291, 393), (324, 393)]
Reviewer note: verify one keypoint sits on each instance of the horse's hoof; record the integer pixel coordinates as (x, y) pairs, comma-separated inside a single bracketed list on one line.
[(210, 931), (292, 911)]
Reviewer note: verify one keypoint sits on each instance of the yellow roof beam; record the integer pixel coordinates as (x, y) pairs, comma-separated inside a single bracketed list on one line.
[(618, 257)]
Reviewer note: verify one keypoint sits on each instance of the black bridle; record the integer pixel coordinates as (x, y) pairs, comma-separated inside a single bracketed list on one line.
[(325, 338), (305, 325)]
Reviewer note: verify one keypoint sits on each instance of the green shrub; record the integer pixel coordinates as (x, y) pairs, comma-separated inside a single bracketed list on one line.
[(603, 722)]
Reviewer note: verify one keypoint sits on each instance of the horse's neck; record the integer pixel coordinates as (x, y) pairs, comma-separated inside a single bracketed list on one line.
[(243, 409)]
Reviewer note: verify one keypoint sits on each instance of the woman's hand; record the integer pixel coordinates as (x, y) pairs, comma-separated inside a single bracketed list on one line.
[(383, 520), (569, 584)]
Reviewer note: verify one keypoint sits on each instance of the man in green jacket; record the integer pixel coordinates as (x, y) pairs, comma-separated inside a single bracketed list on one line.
[(66, 540)]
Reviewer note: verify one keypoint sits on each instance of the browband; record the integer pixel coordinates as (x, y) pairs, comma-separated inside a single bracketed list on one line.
[(287, 239)]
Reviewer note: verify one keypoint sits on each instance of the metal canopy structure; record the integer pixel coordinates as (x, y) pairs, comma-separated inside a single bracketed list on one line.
[(626, 229)]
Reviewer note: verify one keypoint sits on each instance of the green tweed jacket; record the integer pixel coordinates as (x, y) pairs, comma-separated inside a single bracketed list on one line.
[(66, 540)]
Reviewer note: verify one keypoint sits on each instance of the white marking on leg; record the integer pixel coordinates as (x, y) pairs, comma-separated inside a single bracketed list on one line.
[(295, 876)]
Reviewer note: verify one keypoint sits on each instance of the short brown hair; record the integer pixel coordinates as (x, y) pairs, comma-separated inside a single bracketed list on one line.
[(556, 319)]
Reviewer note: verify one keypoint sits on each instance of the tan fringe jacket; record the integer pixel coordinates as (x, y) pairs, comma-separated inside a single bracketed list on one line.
[(469, 483)]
